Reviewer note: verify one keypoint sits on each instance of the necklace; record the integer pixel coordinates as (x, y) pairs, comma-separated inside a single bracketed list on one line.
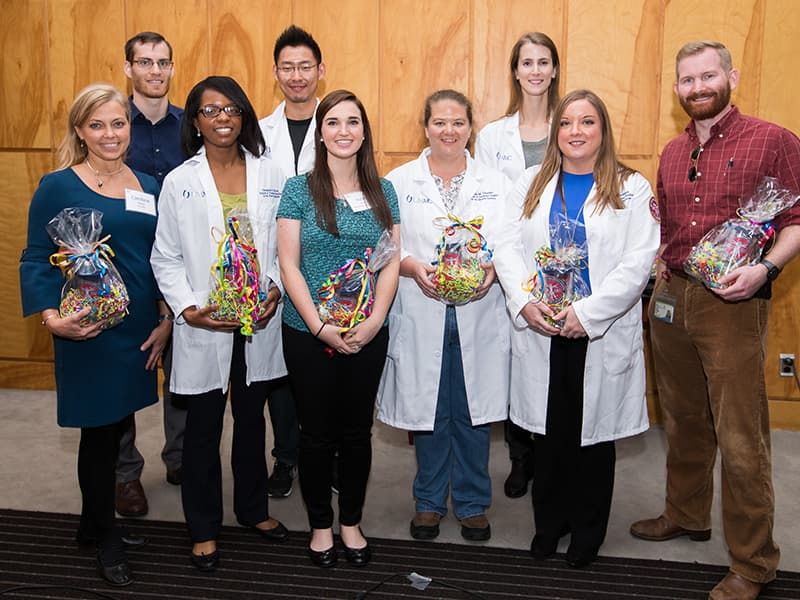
[(98, 174)]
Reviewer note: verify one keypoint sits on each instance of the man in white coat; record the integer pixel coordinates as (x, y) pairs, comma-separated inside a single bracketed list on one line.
[(288, 133)]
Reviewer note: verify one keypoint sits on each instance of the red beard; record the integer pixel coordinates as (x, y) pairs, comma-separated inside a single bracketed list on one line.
[(721, 99)]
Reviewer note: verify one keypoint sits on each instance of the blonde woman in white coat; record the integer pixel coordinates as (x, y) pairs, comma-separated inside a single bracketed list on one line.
[(447, 369), (512, 144), (581, 386), (225, 171)]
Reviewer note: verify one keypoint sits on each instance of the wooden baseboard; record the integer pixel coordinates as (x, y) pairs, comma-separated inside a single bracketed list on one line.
[(27, 375)]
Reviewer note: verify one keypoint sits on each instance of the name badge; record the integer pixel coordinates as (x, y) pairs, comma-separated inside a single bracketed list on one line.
[(664, 307), (140, 202), (356, 201)]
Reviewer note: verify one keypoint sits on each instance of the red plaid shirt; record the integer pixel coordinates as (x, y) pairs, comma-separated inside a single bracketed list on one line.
[(739, 153)]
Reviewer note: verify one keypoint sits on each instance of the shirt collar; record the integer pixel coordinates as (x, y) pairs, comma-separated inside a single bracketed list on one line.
[(723, 125), (171, 110)]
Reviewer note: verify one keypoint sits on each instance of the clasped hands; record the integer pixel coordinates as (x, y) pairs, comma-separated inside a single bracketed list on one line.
[(534, 314)]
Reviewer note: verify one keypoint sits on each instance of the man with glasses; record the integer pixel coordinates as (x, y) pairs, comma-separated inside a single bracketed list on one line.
[(709, 345), (289, 135), (155, 149)]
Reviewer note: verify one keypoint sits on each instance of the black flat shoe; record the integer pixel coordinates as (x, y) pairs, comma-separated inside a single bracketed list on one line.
[(279, 533), (118, 575), (578, 558), (207, 563), (324, 558), (358, 557)]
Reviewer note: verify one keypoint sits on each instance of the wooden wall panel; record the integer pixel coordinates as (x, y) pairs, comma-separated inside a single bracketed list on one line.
[(497, 26), (411, 69), (392, 53), (19, 175), (23, 45), (781, 62), (85, 41), (347, 32), (241, 46), (184, 23), (621, 65), (728, 21)]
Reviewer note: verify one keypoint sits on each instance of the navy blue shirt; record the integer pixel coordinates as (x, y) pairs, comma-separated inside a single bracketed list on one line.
[(155, 149)]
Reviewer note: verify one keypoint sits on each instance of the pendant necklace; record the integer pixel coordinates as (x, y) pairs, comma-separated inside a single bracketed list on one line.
[(98, 174)]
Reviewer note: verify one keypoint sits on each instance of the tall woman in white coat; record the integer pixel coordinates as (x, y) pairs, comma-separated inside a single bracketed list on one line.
[(226, 170), (517, 140), (447, 369), (511, 144), (580, 387)]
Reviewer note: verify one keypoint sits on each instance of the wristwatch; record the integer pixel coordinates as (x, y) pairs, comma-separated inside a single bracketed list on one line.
[(772, 270)]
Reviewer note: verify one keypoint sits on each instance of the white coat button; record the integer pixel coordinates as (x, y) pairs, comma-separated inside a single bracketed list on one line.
[(694, 223)]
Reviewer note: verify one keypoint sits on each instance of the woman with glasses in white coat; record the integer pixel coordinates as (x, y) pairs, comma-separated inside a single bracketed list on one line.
[(447, 369), (225, 174), (580, 386), (512, 144)]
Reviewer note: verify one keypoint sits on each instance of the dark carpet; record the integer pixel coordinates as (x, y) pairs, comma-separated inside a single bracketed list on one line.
[(37, 549)]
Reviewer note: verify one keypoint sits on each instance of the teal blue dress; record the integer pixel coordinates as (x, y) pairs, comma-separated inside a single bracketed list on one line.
[(101, 380)]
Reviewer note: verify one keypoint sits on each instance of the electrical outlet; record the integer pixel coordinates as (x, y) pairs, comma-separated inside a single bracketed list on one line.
[(786, 365)]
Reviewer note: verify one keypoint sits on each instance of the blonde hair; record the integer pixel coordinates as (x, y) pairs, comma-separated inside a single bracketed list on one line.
[(692, 48), (609, 172), (72, 150)]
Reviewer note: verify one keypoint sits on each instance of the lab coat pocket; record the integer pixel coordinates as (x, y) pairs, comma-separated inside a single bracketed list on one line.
[(622, 344)]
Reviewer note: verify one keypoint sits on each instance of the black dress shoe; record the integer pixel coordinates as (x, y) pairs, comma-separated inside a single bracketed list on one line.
[(207, 563), (279, 533), (118, 575), (516, 484), (580, 557), (174, 476), (324, 558), (358, 557)]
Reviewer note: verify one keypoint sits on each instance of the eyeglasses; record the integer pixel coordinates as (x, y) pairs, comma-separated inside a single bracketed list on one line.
[(304, 68), (695, 156), (146, 63), (211, 111)]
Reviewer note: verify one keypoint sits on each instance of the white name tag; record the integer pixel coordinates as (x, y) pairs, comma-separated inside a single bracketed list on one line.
[(356, 201), (140, 202)]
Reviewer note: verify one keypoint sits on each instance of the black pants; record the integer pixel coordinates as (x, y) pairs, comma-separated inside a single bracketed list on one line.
[(97, 463), (519, 440), (201, 486), (335, 396), (572, 485), (283, 415)]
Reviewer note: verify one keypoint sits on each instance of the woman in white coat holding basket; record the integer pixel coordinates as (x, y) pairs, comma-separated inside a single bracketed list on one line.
[(577, 373), (225, 174), (447, 368)]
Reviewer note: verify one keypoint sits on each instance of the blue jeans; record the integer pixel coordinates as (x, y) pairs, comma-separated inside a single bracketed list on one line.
[(455, 454)]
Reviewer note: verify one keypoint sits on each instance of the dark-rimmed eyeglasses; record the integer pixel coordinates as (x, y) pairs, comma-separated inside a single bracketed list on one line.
[(146, 63), (695, 156), (211, 111), (304, 68)]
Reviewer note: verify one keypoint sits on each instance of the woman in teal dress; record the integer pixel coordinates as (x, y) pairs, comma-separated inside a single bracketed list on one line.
[(103, 376)]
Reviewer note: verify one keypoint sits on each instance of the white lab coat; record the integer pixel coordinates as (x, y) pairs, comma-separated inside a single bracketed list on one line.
[(184, 251), (499, 146), (410, 384), (279, 143), (622, 245)]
